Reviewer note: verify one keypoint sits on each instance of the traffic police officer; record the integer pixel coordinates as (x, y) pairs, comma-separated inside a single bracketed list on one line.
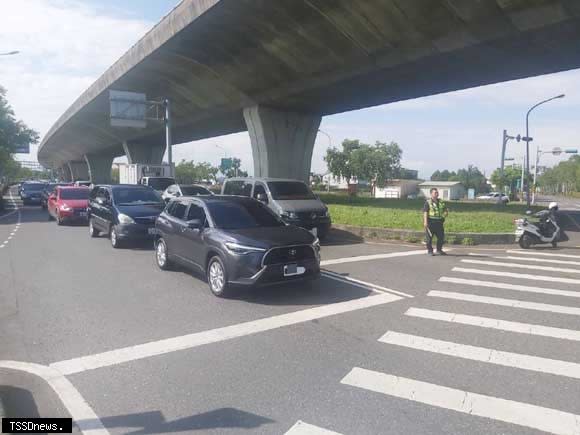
[(434, 214)]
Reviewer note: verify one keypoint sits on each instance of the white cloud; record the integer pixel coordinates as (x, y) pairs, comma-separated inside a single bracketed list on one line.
[(65, 45)]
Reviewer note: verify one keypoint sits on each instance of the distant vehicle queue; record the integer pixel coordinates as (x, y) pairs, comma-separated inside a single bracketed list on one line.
[(258, 231)]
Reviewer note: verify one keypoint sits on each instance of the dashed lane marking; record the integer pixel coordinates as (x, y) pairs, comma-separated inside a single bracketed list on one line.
[(513, 303), (509, 411), (146, 350), (483, 354), (501, 325), (516, 275), (505, 286)]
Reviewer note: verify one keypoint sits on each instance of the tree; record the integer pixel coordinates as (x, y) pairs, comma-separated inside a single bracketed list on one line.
[(562, 178), (511, 178), (444, 175), (378, 163), (234, 170), (13, 134), (191, 172)]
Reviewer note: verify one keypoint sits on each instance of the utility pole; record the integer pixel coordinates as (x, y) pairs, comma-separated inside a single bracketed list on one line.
[(168, 141)]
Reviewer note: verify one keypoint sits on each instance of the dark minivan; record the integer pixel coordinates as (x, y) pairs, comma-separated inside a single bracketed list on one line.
[(124, 211), (234, 240)]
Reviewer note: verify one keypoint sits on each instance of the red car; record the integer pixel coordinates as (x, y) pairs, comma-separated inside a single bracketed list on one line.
[(68, 203)]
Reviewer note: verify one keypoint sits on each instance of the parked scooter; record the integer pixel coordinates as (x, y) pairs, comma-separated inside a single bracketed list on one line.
[(546, 230)]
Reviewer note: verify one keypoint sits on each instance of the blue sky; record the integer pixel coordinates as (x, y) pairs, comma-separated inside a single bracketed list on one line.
[(67, 44)]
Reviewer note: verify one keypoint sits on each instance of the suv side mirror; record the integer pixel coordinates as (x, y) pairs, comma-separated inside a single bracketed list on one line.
[(194, 224), (262, 197)]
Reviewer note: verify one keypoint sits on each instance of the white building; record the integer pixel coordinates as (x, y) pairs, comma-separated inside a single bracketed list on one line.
[(397, 189), (449, 190)]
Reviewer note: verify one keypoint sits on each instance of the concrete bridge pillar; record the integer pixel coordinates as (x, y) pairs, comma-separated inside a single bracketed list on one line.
[(282, 141), (79, 170), (64, 173), (100, 167), (138, 153)]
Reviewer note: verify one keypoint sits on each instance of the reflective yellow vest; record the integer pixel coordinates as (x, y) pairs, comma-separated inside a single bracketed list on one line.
[(436, 210)]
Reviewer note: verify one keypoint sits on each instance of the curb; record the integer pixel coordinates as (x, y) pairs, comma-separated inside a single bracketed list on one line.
[(2, 409), (418, 236)]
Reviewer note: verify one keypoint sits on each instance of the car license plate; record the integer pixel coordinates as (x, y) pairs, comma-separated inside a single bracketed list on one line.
[(314, 231), (152, 231), (293, 269)]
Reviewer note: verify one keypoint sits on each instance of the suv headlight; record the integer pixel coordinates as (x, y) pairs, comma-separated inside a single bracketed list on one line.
[(289, 214), (65, 207), (326, 213), (124, 219), (238, 249)]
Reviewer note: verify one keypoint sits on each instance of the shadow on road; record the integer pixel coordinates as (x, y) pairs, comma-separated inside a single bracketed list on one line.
[(154, 421), (18, 402), (341, 237)]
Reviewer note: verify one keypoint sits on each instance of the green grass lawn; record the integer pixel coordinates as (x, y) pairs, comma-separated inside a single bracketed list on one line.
[(469, 217)]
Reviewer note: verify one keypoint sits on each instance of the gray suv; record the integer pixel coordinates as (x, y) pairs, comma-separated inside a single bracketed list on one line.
[(291, 200)]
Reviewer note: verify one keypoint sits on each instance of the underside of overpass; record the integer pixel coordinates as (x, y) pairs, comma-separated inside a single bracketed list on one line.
[(275, 67)]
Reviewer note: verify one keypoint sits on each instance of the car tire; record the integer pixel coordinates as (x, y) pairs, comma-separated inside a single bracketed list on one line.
[(162, 255), (58, 219), (526, 242), (93, 232), (217, 277), (114, 237)]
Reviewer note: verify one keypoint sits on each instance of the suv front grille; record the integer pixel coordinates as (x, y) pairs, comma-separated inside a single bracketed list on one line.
[(289, 254), (147, 220), (310, 215)]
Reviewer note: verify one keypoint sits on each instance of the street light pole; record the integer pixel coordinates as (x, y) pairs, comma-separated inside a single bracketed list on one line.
[(528, 140)]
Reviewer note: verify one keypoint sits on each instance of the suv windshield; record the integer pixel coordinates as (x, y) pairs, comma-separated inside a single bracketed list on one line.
[(135, 196), (34, 187), (290, 190), (160, 183), (74, 194), (194, 190), (240, 215)]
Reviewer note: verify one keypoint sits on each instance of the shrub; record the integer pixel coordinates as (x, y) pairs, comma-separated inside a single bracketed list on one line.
[(468, 241)]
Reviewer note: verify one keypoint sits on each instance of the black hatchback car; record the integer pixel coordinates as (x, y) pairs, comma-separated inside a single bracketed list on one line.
[(124, 211), (234, 241)]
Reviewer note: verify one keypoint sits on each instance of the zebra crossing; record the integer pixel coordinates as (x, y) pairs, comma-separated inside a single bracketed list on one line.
[(518, 296)]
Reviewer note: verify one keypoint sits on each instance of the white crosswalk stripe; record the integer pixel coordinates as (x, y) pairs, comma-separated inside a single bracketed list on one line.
[(517, 275), (537, 260), (505, 286), (521, 266), (502, 325), (301, 428), (491, 356), (523, 414), (562, 309), (541, 254)]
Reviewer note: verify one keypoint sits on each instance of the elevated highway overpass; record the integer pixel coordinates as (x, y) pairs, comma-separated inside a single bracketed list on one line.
[(275, 67)]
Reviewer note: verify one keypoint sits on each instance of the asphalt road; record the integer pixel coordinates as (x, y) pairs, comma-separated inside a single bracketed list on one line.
[(388, 341)]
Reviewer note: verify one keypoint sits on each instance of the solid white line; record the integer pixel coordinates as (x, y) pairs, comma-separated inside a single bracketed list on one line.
[(521, 266), (513, 303), (363, 284), (502, 325), (80, 411), (538, 260), (371, 257), (516, 287), (146, 350), (509, 411), (301, 428), (483, 354), (546, 254), (517, 275)]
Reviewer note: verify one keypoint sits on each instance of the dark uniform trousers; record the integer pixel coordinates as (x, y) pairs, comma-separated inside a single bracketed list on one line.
[(436, 228)]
